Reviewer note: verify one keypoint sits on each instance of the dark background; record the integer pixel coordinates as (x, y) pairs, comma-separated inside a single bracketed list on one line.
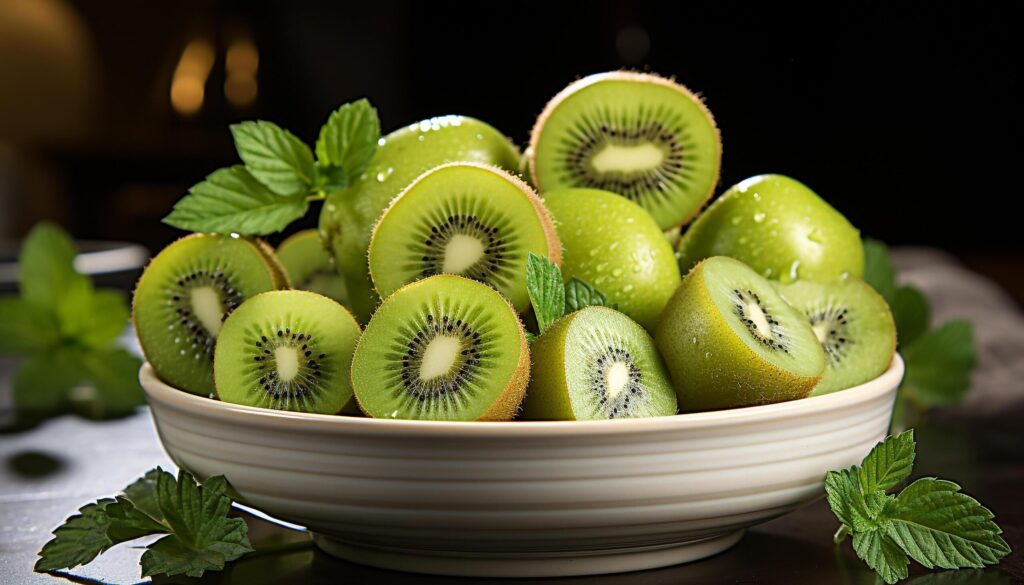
[(900, 116)]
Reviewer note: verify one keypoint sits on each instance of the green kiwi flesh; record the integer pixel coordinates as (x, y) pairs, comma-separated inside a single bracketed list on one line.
[(287, 350), (442, 348), (854, 326), (463, 218), (640, 135), (597, 364), (614, 245), (309, 266), (780, 228), (347, 218), (183, 297), (730, 340)]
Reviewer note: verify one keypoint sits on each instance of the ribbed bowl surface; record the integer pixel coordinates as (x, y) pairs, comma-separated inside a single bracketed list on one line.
[(526, 498)]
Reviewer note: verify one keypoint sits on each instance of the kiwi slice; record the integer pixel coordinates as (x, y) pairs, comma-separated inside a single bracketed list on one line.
[(442, 348), (730, 340), (636, 134), (183, 296), (281, 277), (463, 218), (597, 364), (854, 326), (309, 266), (348, 217), (287, 350)]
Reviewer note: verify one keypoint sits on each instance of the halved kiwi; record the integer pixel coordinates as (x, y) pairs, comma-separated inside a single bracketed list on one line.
[(309, 266), (853, 324), (463, 218), (183, 297), (596, 364), (442, 348), (640, 135), (730, 340), (348, 217), (287, 350)]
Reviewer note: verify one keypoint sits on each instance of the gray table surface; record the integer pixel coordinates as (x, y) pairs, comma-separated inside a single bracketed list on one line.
[(50, 470)]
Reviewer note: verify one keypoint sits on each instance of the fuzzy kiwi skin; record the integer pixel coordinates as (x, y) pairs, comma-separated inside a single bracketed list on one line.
[(627, 241), (348, 217), (738, 376), (624, 75), (281, 278), (780, 228), (507, 403), (554, 244)]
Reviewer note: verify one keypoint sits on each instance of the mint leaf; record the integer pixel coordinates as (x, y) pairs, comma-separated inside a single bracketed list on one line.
[(45, 267), (349, 138), (888, 463), (203, 537), (939, 526), (42, 383), (231, 200), (113, 375), (547, 293), (842, 488), (912, 313), (579, 294), (274, 156), (94, 318), (331, 178), (24, 327), (939, 364), (878, 269), (882, 555)]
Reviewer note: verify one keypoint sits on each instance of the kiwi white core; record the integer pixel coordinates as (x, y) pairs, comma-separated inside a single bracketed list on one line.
[(461, 252), (756, 314), (287, 360), (821, 331), (616, 379), (439, 357), (623, 158), (207, 308)]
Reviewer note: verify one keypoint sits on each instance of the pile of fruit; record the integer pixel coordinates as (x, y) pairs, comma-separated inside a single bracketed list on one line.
[(448, 240)]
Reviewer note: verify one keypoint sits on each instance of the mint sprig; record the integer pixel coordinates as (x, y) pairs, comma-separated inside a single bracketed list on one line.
[(931, 521), (199, 537), (65, 329), (940, 360), (551, 299), (279, 177)]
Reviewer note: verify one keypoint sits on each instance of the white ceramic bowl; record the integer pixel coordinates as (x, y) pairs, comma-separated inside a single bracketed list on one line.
[(526, 499)]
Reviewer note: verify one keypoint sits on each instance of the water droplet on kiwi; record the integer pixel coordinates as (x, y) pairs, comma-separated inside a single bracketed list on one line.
[(814, 236), (381, 141), (707, 355), (757, 196), (693, 340), (600, 267), (479, 136), (759, 217), (743, 240), (794, 269), (767, 273), (421, 137), (612, 247), (594, 251), (736, 220), (630, 219), (617, 272), (627, 288), (384, 175)]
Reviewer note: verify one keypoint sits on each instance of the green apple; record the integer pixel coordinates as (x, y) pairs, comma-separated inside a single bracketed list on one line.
[(614, 245), (778, 227), (348, 217)]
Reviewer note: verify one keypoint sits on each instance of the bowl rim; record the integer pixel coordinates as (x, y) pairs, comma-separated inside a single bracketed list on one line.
[(159, 392)]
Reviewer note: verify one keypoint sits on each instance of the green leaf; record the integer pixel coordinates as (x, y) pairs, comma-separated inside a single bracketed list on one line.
[(349, 138), (203, 537), (231, 200), (25, 327), (95, 528), (939, 526), (142, 494), (842, 488), (113, 375), (579, 294), (45, 267), (331, 178), (547, 293), (274, 156), (94, 318), (912, 313), (878, 269), (888, 463), (882, 555), (42, 383), (939, 364)]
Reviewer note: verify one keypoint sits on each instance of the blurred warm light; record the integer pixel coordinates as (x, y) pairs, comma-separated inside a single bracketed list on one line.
[(189, 81), (241, 64)]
